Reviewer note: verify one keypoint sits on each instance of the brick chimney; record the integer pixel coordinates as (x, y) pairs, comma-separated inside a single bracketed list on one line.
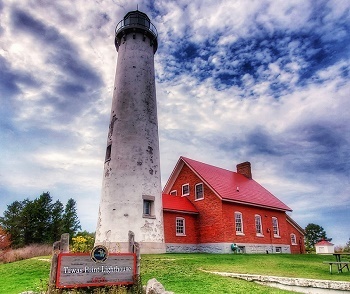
[(244, 169)]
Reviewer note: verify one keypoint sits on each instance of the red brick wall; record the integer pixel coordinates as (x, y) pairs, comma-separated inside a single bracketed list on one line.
[(300, 246), (209, 219), (248, 216), (191, 236)]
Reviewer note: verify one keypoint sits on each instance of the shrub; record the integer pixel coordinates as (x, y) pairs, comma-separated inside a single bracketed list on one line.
[(82, 243), (26, 252)]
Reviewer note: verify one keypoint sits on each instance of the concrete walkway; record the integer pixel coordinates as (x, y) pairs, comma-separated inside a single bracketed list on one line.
[(304, 285)]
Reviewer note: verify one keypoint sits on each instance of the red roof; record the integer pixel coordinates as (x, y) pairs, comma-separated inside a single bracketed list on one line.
[(324, 243), (229, 185), (176, 203)]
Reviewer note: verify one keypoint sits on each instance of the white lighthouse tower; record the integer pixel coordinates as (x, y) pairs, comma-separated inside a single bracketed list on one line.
[(131, 197)]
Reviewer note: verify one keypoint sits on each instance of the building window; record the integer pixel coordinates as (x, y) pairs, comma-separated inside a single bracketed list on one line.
[(258, 225), (199, 191), (276, 232), (239, 223), (173, 192), (185, 189), (293, 239), (148, 206), (180, 226), (278, 249)]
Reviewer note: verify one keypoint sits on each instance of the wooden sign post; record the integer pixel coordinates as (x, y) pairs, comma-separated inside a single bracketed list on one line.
[(61, 246)]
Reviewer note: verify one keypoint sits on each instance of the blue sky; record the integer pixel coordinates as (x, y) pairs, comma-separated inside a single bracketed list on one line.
[(260, 81)]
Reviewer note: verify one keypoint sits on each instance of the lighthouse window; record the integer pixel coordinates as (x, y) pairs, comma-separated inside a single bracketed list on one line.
[(148, 206), (108, 152)]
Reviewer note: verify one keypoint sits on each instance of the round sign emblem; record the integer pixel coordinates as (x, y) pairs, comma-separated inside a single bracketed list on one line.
[(99, 253)]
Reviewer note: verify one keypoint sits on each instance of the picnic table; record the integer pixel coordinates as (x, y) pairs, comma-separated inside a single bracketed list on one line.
[(338, 262)]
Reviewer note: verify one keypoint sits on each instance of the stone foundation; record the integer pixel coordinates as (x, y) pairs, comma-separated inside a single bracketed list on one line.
[(226, 248)]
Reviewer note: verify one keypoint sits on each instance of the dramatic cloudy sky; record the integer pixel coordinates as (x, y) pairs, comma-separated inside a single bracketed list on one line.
[(265, 81)]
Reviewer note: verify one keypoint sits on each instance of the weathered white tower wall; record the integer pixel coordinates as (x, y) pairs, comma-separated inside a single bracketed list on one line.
[(131, 191)]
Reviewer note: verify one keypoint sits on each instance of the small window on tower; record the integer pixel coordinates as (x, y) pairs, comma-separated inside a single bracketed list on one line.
[(148, 206), (108, 152), (173, 193)]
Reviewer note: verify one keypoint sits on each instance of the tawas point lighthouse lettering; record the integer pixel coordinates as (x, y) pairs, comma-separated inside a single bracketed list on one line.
[(96, 269)]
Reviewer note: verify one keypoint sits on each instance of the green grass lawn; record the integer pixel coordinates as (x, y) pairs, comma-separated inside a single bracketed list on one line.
[(30, 274), (183, 273)]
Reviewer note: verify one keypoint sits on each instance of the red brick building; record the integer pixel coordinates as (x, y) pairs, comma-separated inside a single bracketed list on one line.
[(210, 209)]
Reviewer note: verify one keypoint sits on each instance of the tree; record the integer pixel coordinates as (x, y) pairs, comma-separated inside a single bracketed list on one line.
[(39, 221), (28, 219), (71, 223), (313, 234), (57, 221), (43, 221), (347, 246), (36, 216), (12, 223), (5, 240), (5, 243)]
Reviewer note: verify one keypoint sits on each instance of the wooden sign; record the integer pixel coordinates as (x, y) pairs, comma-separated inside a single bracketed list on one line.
[(83, 269)]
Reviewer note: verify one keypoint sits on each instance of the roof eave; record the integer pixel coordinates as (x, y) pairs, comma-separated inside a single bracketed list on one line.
[(202, 178), (256, 205), (180, 211), (173, 176)]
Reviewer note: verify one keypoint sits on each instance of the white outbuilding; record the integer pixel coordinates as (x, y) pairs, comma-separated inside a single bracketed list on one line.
[(324, 247)]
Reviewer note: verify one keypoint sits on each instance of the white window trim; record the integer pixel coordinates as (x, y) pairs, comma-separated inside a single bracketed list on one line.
[(261, 233), (242, 231), (175, 194), (195, 192), (293, 239), (184, 226), (277, 227), (182, 189)]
